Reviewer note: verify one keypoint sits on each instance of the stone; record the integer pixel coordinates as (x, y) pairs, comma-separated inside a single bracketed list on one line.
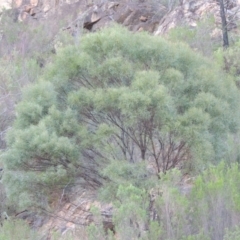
[(122, 15), (70, 225), (95, 17), (17, 3), (27, 8), (4, 4), (143, 19), (34, 3), (112, 5), (32, 12), (23, 16)]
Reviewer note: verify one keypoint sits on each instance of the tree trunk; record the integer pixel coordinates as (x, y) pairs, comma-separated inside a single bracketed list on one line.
[(224, 24)]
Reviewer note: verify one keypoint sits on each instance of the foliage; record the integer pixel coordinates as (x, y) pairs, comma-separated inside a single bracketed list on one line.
[(229, 60), (131, 213), (209, 210), (202, 37), (17, 230), (233, 235), (29, 38), (119, 112), (95, 232), (217, 209), (117, 97)]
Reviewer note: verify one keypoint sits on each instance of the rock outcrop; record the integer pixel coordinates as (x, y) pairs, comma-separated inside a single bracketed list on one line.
[(190, 12), (4, 4), (142, 15), (76, 213)]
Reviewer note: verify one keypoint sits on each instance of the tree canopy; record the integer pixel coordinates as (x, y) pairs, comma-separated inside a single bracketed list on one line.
[(117, 96)]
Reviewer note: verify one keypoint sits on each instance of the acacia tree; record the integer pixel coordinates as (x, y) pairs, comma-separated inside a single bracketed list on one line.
[(117, 97)]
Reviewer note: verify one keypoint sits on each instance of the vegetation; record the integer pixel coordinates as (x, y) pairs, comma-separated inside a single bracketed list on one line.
[(199, 38), (129, 116), (207, 211), (137, 98), (17, 230)]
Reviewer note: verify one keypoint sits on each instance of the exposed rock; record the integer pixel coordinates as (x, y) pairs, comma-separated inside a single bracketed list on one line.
[(191, 11), (112, 5), (143, 19), (27, 8), (95, 15), (77, 213), (4, 4), (34, 2), (137, 16)]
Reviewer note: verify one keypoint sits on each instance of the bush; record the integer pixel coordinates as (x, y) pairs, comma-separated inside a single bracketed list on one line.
[(216, 200), (164, 211), (17, 230), (117, 97), (202, 37)]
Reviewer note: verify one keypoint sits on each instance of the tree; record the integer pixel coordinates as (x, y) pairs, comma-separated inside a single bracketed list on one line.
[(224, 24), (117, 97)]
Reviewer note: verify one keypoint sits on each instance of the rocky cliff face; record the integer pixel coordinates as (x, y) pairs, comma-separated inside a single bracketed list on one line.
[(4, 4), (192, 11), (143, 15)]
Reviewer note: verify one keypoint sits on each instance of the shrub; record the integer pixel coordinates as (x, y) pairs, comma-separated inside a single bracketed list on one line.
[(117, 97), (17, 230)]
